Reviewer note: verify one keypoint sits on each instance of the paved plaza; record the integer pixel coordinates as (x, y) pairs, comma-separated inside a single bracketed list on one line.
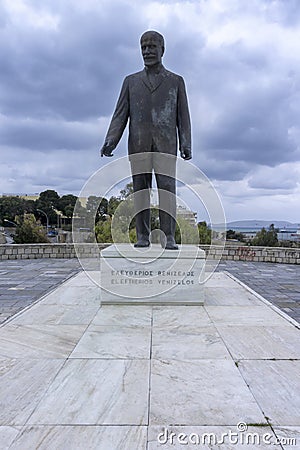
[(23, 282), (77, 376)]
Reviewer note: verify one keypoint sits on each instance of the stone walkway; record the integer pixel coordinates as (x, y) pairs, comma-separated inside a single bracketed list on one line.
[(22, 282), (75, 376), (278, 283)]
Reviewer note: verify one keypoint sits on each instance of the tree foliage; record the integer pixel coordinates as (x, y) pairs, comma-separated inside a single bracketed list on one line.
[(47, 202), (10, 207), (231, 234), (103, 231), (186, 233), (66, 204), (99, 214), (97, 207), (113, 203), (29, 231), (127, 191), (49, 197), (266, 238), (204, 233)]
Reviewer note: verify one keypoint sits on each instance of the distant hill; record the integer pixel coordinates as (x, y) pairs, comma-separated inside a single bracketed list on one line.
[(258, 224)]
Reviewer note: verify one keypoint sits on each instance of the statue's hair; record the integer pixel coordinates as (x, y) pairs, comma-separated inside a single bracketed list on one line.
[(155, 34)]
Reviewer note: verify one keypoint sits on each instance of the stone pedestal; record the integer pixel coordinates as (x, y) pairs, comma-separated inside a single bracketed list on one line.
[(152, 275)]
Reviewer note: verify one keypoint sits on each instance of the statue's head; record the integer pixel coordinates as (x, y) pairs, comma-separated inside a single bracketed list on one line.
[(153, 47)]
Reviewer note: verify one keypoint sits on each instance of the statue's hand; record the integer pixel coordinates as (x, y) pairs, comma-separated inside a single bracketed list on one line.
[(107, 149), (186, 154)]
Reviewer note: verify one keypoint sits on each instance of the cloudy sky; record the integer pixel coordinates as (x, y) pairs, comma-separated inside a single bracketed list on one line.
[(63, 62)]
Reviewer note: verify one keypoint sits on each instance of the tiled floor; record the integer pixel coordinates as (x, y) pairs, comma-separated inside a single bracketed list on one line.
[(22, 282), (278, 283), (149, 377)]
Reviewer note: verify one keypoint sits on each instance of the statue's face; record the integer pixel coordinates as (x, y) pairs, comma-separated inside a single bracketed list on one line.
[(152, 50)]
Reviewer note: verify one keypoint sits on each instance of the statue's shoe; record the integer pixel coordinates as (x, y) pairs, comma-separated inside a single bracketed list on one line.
[(142, 243), (171, 245)]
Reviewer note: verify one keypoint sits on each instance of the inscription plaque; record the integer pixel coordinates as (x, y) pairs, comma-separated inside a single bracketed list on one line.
[(152, 275)]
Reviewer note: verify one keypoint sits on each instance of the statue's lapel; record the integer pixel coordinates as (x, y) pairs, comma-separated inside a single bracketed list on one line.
[(146, 80), (159, 78)]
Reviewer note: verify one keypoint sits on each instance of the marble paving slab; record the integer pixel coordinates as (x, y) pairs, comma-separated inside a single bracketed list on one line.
[(89, 278), (220, 279), (182, 316), (7, 435), (39, 341), (260, 342), (223, 296), (275, 386), (119, 315), (189, 393), (81, 437), (93, 392), (23, 384), (73, 295), (188, 343), (245, 315), (57, 315), (114, 342)]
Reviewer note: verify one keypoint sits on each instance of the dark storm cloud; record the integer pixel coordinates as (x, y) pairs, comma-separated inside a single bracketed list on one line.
[(60, 79), (68, 70), (222, 169), (253, 128), (252, 101), (45, 135)]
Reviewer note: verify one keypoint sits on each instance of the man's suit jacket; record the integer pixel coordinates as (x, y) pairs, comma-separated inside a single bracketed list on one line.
[(157, 113)]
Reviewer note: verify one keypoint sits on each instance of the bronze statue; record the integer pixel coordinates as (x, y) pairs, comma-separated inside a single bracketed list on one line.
[(155, 102)]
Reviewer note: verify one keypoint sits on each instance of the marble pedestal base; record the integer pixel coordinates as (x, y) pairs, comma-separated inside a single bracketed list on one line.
[(152, 275)]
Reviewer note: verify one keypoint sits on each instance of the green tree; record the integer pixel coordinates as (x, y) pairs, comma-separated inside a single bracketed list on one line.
[(66, 204), (29, 231), (113, 203), (204, 233), (266, 238), (186, 233), (10, 207), (49, 197), (103, 231), (128, 190), (29, 207), (97, 207), (47, 202), (231, 234), (123, 220)]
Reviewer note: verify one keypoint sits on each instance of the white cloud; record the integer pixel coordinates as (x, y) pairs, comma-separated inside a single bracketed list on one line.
[(21, 13), (284, 177)]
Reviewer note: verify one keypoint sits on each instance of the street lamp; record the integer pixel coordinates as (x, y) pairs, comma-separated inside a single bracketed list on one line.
[(9, 221), (43, 212)]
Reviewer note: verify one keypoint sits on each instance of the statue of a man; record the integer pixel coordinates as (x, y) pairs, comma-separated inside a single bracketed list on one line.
[(155, 102)]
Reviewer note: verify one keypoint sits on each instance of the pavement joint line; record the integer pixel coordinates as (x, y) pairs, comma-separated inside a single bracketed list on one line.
[(264, 300)]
